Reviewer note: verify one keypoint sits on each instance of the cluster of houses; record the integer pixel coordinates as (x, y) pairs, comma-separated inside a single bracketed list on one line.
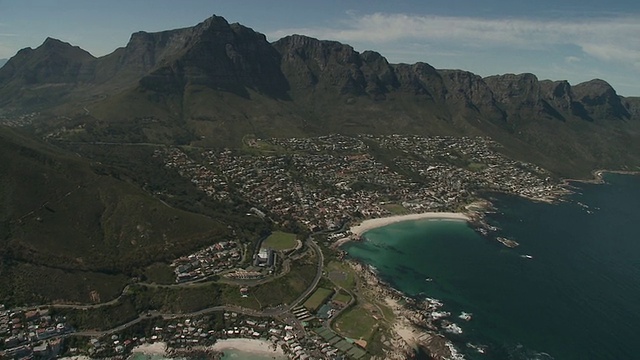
[(323, 182), (30, 334), (486, 167), (244, 274), (212, 260), (19, 120), (202, 176), (327, 143), (176, 334), (310, 346), (111, 345), (203, 331), (312, 189)]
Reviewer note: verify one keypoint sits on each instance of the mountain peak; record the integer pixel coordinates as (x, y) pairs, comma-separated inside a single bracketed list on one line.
[(601, 99), (53, 62), (53, 44), (595, 85), (214, 21), (49, 41)]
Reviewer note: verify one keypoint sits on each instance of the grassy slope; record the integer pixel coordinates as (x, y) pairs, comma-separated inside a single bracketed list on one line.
[(58, 213)]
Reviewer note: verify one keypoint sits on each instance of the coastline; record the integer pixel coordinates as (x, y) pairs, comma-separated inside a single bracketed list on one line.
[(411, 328), (598, 176), (370, 224)]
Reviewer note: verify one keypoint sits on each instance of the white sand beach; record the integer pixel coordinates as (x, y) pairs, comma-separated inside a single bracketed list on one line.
[(367, 225), (254, 346), (156, 348)]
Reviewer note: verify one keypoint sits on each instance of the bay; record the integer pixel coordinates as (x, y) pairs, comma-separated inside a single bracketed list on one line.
[(576, 298)]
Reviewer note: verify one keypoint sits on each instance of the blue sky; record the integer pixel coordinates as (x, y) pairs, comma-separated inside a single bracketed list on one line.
[(570, 40)]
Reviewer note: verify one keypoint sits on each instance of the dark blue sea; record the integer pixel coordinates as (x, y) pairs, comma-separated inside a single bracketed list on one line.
[(577, 297)]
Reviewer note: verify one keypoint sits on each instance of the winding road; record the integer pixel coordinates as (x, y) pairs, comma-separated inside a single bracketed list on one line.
[(268, 312)]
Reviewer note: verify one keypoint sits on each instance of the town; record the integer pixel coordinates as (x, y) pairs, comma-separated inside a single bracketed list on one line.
[(303, 186), (326, 181), (31, 333)]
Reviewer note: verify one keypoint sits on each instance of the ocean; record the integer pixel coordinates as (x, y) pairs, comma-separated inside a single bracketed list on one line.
[(577, 297)]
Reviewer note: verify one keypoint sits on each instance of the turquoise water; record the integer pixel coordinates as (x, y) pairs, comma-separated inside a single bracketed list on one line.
[(577, 298)]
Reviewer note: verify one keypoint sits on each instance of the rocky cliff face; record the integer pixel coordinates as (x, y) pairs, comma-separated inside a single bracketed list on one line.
[(517, 91), (473, 91), (600, 100), (233, 58), (221, 56), (632, 105), (591, 100), (421, 80), (313, 65), (42, 76), (558, 94), (142, 54)]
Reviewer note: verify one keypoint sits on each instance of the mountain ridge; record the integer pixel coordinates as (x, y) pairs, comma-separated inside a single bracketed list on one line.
[(215, 82)]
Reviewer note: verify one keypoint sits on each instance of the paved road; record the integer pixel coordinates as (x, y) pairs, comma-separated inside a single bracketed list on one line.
[(268, 312), (319, 269)]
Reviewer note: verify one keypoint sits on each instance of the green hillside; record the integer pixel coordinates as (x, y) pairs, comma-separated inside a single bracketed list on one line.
[(61, 217)]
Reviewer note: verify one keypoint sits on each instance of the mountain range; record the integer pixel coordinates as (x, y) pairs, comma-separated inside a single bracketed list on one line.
[(71, 205), (215, 82)]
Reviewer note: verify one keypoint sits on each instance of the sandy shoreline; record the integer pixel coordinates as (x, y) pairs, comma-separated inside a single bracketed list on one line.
[(370, 224), (254, 346), (156, 348)]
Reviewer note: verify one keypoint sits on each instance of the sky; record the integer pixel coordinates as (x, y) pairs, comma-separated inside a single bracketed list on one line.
[(560, 40)]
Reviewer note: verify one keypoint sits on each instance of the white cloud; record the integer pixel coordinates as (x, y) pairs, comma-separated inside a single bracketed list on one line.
[(572, 59), (613, 51), (614, 38)]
